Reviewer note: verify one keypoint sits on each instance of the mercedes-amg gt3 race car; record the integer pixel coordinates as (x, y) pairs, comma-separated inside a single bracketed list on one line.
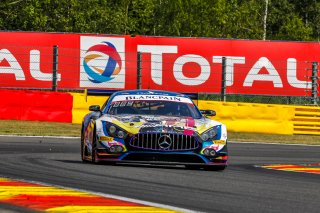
[(150, 126)]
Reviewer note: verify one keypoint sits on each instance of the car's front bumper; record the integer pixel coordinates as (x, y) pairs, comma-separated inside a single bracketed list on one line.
[(165, 158)]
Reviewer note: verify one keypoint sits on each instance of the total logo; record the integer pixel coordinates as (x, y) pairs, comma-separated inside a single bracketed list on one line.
[(102, 62)]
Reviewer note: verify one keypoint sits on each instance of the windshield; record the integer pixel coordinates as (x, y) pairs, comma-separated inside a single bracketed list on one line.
[(150, 107)]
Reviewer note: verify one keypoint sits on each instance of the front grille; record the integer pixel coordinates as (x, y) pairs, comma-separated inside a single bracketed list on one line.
[(164, 142)]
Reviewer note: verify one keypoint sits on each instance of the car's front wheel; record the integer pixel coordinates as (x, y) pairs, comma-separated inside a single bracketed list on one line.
[(94, 147), (82, 145)]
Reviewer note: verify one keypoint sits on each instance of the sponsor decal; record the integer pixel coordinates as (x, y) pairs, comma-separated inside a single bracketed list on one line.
[(251, 70), (151, 97), (277, 68), (105, 138), (219, 142), (102, 62)]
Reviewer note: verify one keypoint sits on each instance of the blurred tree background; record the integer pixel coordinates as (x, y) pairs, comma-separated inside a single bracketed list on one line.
[(295, 20)]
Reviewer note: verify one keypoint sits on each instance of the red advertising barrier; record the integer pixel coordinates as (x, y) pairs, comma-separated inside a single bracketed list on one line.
[(35, 105), (252, 67), (176, 64), (26, 59)]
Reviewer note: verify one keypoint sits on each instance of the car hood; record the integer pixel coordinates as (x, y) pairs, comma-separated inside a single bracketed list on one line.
[(151, 123)]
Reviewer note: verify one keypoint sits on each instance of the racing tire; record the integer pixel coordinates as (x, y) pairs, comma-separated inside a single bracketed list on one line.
[(94, 147), (82, 146)]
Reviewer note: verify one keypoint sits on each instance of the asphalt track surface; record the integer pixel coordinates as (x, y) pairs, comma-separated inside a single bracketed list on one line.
[(242, 187)]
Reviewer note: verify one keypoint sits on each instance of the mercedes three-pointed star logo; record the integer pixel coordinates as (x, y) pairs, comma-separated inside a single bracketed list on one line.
[(165, 142)]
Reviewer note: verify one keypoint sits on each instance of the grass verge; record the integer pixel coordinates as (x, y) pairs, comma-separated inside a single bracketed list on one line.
[(35, 128)]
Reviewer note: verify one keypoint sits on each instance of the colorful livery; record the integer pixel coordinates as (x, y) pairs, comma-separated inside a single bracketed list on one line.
[(153, 127)]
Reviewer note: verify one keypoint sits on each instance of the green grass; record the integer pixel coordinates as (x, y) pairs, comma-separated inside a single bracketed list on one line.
[(274, 138), (33, 128)]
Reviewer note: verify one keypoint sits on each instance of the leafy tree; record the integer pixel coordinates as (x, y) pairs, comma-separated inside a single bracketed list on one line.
[(243, 19), (309, 11), (285, 24)]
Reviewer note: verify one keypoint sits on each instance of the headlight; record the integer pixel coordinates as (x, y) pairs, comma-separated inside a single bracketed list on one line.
[(115, 131), (120, 134), (205, 136), (210, 134), (112, 129)]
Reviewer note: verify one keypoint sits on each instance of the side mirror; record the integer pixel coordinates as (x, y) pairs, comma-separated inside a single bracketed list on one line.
[(208, 112), (95, 108)]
